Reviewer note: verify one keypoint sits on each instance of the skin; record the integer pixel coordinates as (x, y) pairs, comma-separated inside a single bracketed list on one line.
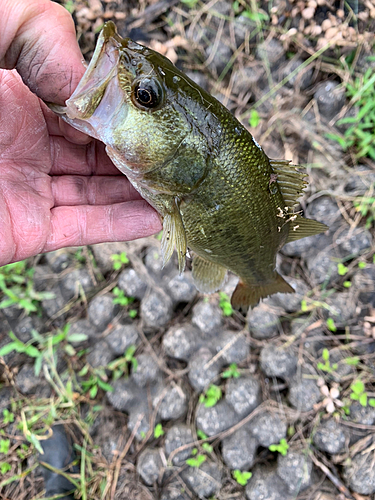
[(58, 188)]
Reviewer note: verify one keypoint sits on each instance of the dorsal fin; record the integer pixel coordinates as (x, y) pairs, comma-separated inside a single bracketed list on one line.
[(291, 182), (301, 228)]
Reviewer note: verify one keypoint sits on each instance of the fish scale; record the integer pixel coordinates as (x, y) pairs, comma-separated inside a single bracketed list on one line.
[(218, 193)]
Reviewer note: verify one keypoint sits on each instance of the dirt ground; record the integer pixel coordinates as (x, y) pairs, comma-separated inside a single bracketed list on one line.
[(137, 365)]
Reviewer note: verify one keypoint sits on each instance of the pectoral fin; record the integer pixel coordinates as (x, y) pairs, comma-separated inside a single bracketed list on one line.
[(174, 236), (208, 277), (246, 295)]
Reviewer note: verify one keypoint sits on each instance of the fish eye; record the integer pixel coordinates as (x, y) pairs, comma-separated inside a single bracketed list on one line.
[(147, 94)]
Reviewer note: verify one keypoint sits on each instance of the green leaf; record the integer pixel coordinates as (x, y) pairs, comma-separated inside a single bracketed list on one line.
[(241, 477), (93, 391), (362, 264), (207, 447), (32, 351), (104, 386), (133, 313), (158, 431), (8, 348), (5, 467), (363, 399), (357, 387), (354, 361), (342, 269), (77, 337), (197, 461), (331, 325), (201, 434), (371, 402), (254, 118), (347, 284), (4, 446), (325, 354)]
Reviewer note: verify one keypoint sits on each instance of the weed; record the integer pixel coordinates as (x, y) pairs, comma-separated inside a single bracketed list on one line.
[(211, 397), (196, 461), (359, 394), (326, 366), (119, 260), (8, 417), (121, 298), (241, 477), (16, 283), (96, 380), (254, 118), (331, 325), (366, 207), (225, 304), (4, 446), (69, 5), (282, 447), (352, 361), (231, 372), (158, 431), (342, 269), (121, 366), (360, 133)]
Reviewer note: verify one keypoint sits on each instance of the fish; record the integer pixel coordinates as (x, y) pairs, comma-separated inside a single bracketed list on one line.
[(219, 195)]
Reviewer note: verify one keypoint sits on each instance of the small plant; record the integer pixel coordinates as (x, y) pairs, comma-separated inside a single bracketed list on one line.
[(342, 269), (121, 298), (241, 477), (121, 366), (326, 366), (205, 446), (197, 460), (8, 417), (158, 431), (331, 325), (225, 304), (96, 380), (119, 260), (359, 394), (4, 446), (5, 467), (281, 448), (231, 372), (352, 361), (211, 397), (366, 207), (254, 118), (17, 286)]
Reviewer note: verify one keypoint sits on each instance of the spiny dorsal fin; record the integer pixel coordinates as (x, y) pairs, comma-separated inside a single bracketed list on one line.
[(208, 277), (290, 180), (301, 228)]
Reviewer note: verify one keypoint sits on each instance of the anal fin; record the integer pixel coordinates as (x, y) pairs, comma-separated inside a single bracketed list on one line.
[(245, 295), (174, 236), (301, 228), (208, 277)]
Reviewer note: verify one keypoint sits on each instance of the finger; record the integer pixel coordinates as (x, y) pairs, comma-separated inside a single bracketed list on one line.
[(38, 39), (78, 159), (73, 135), (86, 225), (70, 190)]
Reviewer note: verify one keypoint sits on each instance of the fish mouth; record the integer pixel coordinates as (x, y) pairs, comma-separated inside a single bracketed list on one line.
[(98, 103)]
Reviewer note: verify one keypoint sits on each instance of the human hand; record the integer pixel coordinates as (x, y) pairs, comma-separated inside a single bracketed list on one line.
[(57, 187)]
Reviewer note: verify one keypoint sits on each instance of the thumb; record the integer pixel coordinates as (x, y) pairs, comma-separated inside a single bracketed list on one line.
[(38, 39)]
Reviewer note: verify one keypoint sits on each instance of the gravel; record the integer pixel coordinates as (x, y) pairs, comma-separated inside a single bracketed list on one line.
[(330, 437), (173, 404), (295, 470), (207, 318), (181, 288), (232, 348), (131, 284), (239, 450), (359, 473), (202, 370), (149, 465), (215, 419), (100, 355), (243, 394), (72, 283), (156, 310), (178, 436), (265, 484), (263, 322), (181, 341), (204, 481), (330, 97), (304, 394), (278, 362), (147, 370), (122, 337), (267, 428), (101, 311)]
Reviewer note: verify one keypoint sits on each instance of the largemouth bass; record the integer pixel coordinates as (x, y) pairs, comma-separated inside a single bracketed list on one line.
[(218, 193)]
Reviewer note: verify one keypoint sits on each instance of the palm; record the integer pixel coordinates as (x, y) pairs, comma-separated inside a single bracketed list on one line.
[(55, 193)]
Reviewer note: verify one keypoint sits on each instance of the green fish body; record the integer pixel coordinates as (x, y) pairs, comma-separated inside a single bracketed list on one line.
[(218, 193)]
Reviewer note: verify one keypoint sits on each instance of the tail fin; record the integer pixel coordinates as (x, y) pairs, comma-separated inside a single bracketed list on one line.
[(245, 296)]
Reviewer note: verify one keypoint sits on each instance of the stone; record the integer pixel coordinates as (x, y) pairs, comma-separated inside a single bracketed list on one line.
[(205, 481), (103, 254), (322, 266), (124, 395), (361, 179), (231, 346), (359, 414), (73, 282), (218, 56), (291, 302), (181, 341), (300, 248), (243, 394), (215, 419), (100, 355), (302, 80), (181, 288), (342, 308), (139, 419), (271, 52), (154, 263), (54, 305), (177, 436), (150, 465), (278, 362), (173, 491), (58, 260), (343, 371), (263, 322), (201, 370), (207, 318), (199, 78), (25, 325), (156, 310), (6, 395), (265, 484), (364, 282), (43, 278), (330, 437), (324, 209), (171, 403), (84, 326), (359, 473), (304, 394), (239, 450), (295, 470), (243, 29), (353, 242), (26, 380), (330, 97), (131, 284), (122, 337), (245, 79), (101, 311), (147, 370), (267, 428)]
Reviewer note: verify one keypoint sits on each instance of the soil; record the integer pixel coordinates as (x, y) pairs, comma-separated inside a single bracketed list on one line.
[(129, 356)]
